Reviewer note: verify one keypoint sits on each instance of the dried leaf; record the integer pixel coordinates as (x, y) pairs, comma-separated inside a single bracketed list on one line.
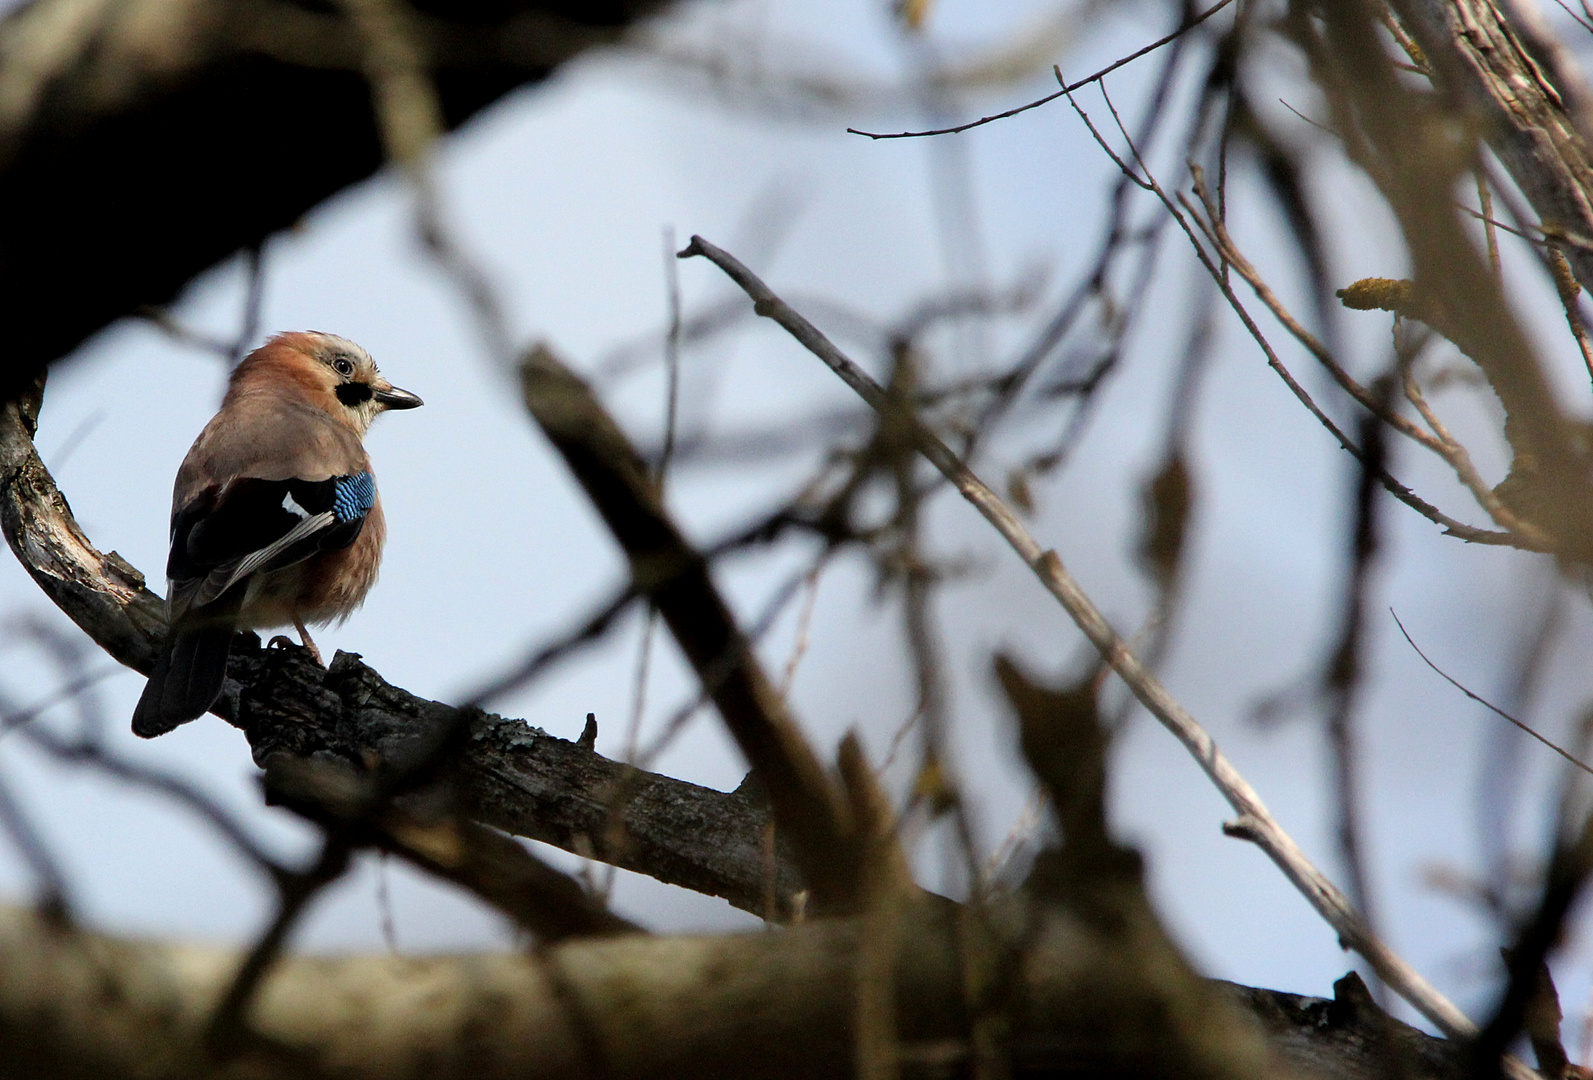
[(1167, 499), (1019, 493)]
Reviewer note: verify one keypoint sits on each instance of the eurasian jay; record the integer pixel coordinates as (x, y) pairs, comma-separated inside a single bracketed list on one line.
[(275, 518)]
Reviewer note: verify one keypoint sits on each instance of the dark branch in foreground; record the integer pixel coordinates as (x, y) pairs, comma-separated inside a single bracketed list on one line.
[(143, 141), (676, 576), (76, 1004)]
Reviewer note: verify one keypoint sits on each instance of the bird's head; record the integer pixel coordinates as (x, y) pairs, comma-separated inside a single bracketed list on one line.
[(333, 372)]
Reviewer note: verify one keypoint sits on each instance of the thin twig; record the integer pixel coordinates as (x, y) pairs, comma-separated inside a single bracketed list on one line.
[(1569, 289), (1217, 235), (1255, 821), (799, 646), (1489, 232), (1485, 703), (1087, 80), (1404, 494), (55, 893)]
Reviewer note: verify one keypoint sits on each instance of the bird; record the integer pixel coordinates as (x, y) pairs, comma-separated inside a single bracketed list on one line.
[(275, 517)]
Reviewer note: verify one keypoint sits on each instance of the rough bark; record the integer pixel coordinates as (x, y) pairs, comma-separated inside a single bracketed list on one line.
[(1528, 101), (142, 141)]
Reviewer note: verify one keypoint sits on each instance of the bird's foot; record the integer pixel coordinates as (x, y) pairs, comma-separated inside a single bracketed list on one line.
[(282, 641), (309, 643)]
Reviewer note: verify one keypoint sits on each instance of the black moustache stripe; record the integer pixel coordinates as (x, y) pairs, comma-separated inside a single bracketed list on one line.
[(354, 393)]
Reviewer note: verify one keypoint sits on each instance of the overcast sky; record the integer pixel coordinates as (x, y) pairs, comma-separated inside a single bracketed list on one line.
[(565, 191)]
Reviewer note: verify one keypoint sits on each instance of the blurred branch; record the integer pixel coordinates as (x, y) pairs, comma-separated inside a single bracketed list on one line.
[(665, 566), (1255, 821), (540, 899), (80, 1004), (142, 142), (508, 775), (54, 902)]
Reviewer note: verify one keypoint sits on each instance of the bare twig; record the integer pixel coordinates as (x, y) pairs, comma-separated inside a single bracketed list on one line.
[(1439, 442), (1404, 494), (1183, 28), (1569, 289), (799, 643), (1255, 821), (1489, 230), (1485, 703)]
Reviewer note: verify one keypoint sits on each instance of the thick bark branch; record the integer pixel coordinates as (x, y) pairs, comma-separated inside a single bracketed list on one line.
[(1532, 110), (76, 1004), (509, 775), (142, 141)]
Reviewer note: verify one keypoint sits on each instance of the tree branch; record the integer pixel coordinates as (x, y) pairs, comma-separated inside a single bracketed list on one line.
[(509, 775), (663, 564), (1535, 110), (76, 1005), (1255, 822)]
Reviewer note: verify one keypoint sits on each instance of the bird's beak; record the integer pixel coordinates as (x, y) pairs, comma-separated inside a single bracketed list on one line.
[(391, 397)]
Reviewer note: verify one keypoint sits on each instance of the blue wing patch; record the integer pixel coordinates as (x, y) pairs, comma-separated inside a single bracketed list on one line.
[(354, 497)]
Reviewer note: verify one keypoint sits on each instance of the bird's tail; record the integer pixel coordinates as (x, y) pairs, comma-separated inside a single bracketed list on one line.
[(186, 681)]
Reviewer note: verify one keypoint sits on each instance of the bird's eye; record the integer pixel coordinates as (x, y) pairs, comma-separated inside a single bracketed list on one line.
[(343, 367)]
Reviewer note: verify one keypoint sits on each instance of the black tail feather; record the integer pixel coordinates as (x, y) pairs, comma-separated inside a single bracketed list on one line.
[(186, 681)]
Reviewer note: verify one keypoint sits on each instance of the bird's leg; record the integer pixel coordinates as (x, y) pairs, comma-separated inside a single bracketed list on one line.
[(309, 643)]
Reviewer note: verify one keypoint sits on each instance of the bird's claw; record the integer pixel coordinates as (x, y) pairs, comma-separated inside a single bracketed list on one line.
[(282, 641)]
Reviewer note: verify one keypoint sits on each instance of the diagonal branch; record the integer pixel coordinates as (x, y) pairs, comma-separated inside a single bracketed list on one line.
[(1255, 821), (665, 565)]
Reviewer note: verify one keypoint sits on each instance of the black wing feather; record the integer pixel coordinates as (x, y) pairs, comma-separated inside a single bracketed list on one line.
[(248, 515), (222, 526)]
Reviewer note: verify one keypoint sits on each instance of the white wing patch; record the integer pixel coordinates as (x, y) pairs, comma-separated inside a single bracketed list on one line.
[(291, 506)]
